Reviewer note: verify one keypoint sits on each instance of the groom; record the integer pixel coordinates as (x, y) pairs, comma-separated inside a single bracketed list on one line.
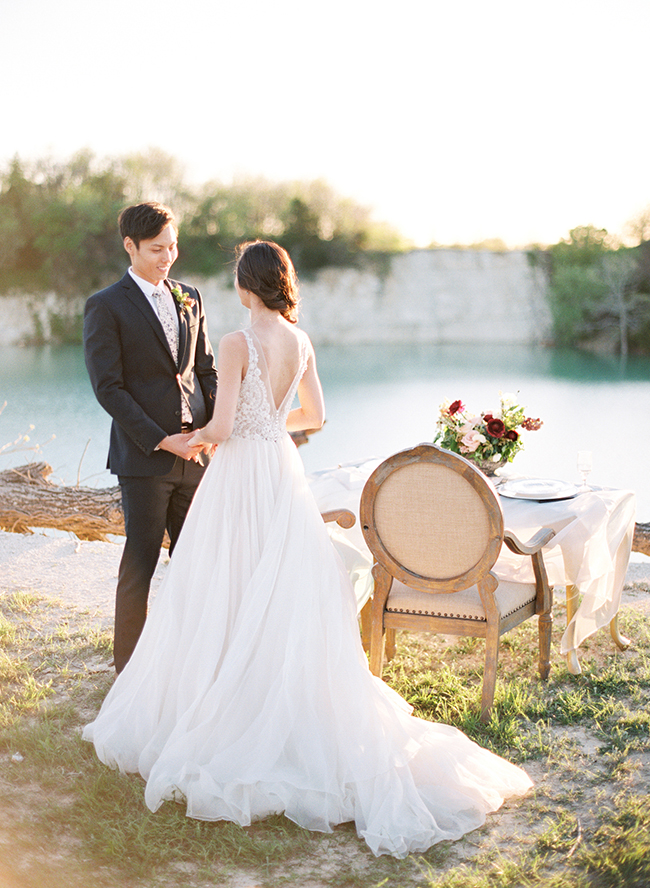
[(152, 369)]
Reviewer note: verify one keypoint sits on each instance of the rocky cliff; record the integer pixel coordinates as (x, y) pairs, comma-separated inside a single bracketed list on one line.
[(437, 296)]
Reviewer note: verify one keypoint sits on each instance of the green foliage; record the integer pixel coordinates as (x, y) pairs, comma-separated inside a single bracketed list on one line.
[(317, 227), (574, 293), (576, 285), (596, 289), (58, 222), (58, 225)]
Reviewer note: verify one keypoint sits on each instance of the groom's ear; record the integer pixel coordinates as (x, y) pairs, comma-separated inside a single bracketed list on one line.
[(130, 246)]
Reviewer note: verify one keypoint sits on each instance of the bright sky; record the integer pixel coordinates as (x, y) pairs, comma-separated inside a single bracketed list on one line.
[(455, 120)]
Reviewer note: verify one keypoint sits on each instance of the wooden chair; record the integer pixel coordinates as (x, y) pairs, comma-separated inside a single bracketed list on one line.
[(434, 526)]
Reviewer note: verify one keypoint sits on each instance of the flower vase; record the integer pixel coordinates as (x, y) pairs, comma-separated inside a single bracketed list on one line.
[(489, 466)]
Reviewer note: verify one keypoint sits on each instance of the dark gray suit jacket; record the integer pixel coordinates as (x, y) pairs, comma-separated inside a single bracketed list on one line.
[(134, 376)]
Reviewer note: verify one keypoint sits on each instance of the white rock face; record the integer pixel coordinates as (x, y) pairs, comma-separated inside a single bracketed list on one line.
[(436, 296)]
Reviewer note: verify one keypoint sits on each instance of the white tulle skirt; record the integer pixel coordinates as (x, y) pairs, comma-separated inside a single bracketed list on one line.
[(249, 693)]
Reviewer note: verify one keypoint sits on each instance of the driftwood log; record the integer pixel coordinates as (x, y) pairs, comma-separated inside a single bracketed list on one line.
[(28, 499), (641, 541)]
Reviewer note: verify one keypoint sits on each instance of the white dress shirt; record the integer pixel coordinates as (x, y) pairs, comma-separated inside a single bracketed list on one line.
[(148, 288)]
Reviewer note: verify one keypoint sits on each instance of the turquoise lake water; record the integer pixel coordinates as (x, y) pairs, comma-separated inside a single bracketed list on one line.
[(379, 399)]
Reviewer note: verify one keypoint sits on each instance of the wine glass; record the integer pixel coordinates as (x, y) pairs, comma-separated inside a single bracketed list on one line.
[(584, 467)]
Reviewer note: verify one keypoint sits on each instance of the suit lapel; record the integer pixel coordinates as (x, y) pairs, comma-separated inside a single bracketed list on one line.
[(183, 327)]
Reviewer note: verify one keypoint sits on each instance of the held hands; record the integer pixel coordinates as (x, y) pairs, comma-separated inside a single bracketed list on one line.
[(180, 445), (199, 439)]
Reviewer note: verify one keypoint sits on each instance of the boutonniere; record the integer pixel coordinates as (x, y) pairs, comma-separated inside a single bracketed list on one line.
[(184, 299)]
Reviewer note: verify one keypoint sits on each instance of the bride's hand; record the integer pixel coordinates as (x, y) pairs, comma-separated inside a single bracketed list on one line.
[(198, 439)]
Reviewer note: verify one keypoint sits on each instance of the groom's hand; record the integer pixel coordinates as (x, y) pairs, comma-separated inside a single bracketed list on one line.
[(180, 446)]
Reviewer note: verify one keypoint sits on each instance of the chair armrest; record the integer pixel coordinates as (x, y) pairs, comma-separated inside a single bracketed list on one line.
[(544, 592), (343, 517), (541, 538)]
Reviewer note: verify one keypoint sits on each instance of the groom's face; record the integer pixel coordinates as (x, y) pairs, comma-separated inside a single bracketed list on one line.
[(153, 258)]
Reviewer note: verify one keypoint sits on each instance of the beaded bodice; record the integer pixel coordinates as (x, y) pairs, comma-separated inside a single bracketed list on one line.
[(256, 415)]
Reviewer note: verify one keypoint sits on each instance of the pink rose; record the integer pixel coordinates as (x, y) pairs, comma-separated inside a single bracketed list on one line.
[(471, 441)]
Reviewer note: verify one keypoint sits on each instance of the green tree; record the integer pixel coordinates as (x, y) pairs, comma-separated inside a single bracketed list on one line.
[(316, 225), (60, 225), (58, 220), (576, 285), (594, 288), (155, 175)]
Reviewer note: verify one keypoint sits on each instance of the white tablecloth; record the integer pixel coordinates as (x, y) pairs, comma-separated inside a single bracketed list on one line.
[(590, 550)]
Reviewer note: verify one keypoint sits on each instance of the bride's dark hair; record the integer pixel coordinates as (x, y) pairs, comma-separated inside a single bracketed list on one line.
[(266, 269)]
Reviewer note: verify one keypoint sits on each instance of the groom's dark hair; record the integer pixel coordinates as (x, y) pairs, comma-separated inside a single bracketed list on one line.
[(144, 221)]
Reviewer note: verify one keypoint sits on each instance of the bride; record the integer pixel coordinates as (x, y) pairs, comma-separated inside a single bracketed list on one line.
[(249, 693)]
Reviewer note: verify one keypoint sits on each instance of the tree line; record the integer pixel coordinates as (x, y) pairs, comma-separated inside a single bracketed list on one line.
[(58, 220), (599, 288), (58, 232)]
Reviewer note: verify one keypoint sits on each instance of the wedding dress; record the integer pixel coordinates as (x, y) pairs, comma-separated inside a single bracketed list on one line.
[(249, 693)]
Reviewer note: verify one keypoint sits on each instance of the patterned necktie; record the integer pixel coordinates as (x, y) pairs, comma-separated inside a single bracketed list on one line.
[(167, 321), (171, 332)]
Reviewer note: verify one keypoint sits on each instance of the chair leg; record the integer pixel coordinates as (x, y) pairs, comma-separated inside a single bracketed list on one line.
[(383, 582), (366, 616), (390, 643), (545, 626), (376, 649), (489, 673), (621, 642)]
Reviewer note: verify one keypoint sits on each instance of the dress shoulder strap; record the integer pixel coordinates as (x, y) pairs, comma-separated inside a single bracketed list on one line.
[(252, 351)]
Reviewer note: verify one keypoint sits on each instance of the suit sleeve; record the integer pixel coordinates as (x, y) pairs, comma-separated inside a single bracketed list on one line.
[(204, 365), (103, 354)]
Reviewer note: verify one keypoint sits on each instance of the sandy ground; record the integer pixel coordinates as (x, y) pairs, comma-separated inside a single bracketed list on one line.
[(83, 574), (64, 569)]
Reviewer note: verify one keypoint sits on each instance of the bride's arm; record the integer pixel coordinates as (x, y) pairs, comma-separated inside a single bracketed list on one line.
[(232, 365), (311, 413)]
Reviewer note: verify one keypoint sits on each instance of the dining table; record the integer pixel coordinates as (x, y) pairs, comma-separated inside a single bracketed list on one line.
[(588, 554)]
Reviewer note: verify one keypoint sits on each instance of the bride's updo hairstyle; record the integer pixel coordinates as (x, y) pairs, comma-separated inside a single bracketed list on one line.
[(265, 268)]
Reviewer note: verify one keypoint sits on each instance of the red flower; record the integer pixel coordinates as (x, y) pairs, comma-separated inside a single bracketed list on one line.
[(511, 435), (488, 417), (455, 407), (495, 428), (532, 425)]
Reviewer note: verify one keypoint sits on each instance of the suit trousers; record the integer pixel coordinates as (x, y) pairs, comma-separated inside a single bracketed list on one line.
[(151, 504)]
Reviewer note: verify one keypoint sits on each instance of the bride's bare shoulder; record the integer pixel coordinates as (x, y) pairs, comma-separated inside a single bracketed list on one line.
[(234, 340), (233, 346)]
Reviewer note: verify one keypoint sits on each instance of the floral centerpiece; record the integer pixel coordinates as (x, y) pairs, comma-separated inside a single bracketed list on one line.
[(488, 439)]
